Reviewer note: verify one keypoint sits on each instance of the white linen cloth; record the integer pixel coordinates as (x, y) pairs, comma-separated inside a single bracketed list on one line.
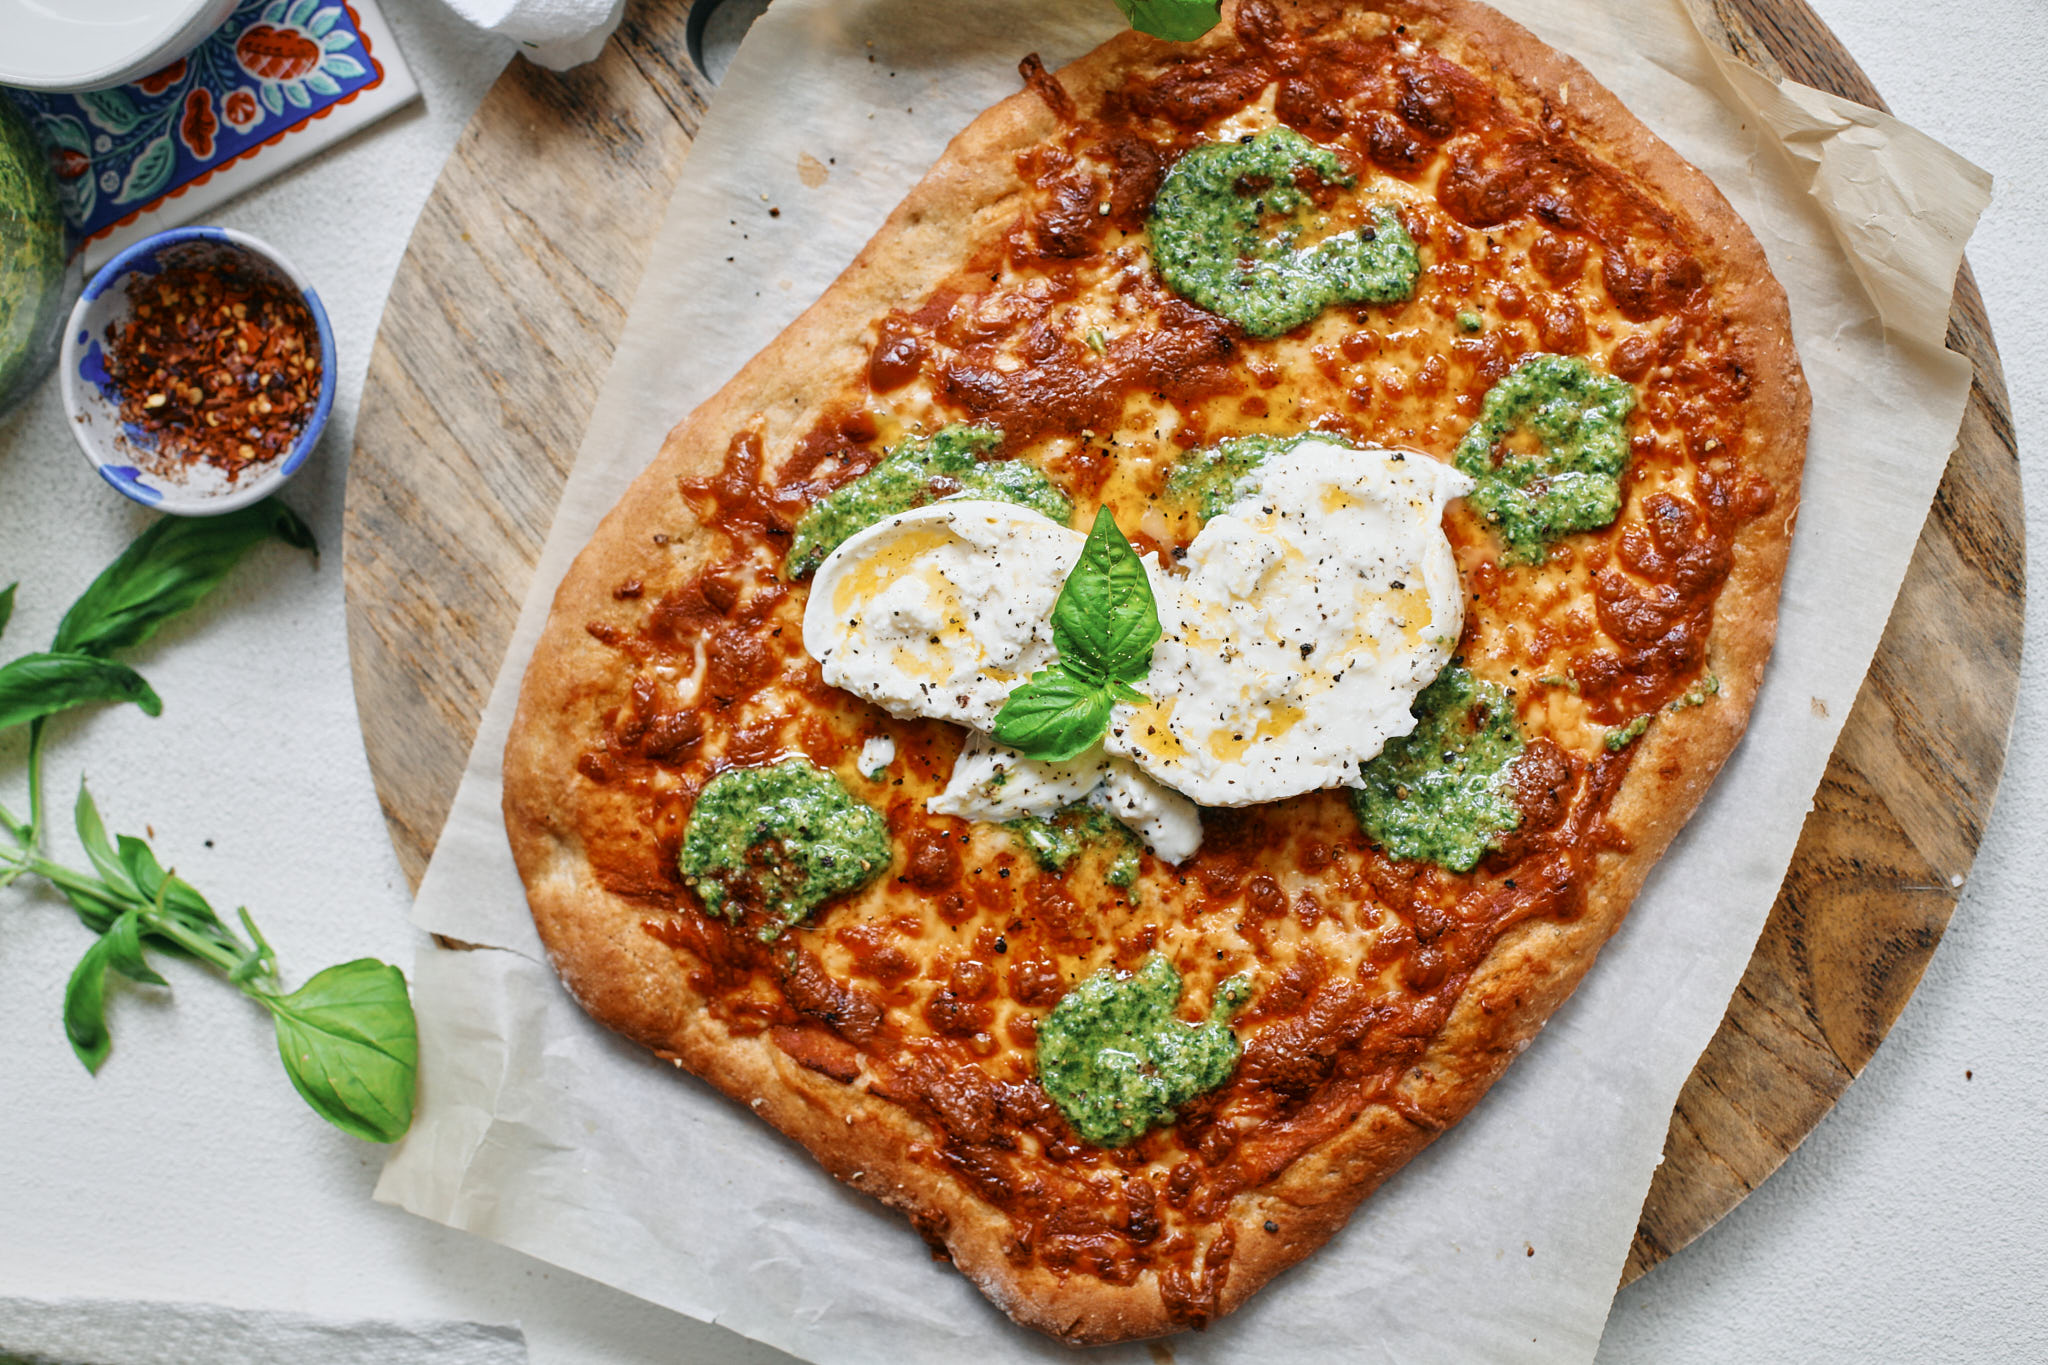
[(146, 1332)]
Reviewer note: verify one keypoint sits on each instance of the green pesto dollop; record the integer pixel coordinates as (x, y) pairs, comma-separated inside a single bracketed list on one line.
[(1204, 483), (953, 461), (1117, 1061), (781, 841), (1442, 794), (1057, 840), (1206, 225), (1575, 417)]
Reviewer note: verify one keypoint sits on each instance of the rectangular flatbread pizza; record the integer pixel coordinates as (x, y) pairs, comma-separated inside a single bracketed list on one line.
[(1117, 727)]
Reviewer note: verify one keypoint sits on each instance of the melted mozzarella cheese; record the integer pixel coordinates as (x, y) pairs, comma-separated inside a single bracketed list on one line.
[(1310, 614), (991, 782), (942, 610), (1313, 610), (875, 757), (995, 783), (1167, 821)]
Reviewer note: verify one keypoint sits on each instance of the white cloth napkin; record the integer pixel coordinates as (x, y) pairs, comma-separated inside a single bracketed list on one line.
[(144, 1332), (558, 34)]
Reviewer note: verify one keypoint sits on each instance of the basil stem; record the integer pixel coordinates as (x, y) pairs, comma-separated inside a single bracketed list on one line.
[(28, 834)]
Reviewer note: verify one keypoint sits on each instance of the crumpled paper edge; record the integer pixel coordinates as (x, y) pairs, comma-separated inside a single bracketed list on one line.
[(1861, 166)]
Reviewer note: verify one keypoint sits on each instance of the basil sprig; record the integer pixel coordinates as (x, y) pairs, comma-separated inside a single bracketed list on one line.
[(347, 1037), (1179, 21), (1104, 625)]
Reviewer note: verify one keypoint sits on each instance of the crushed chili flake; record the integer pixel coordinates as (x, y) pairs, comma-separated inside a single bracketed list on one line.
[(217, 363)]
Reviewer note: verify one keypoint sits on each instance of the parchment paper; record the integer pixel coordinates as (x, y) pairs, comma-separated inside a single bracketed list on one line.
[(1504, 1241)]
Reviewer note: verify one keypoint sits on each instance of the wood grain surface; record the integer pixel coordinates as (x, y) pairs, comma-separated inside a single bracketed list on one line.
[(499, 331)]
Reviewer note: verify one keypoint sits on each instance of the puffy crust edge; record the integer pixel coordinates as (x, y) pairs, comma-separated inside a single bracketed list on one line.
[(628, 980)]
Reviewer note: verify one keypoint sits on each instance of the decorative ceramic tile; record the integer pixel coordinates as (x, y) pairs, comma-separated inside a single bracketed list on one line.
[(280, 80)]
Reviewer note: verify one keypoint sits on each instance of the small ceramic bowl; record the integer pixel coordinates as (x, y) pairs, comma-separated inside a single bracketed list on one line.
[(123, 454)]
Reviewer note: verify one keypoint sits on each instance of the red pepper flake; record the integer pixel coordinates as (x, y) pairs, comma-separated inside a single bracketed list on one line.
[(219, 363)]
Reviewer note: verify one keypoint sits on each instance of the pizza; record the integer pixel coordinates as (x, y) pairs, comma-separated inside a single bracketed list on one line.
[(1117, 726)]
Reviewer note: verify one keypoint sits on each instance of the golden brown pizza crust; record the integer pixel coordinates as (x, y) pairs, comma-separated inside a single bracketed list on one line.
[(630, 980)]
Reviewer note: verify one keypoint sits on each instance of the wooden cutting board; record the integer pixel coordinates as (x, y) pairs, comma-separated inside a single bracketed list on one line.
[(500, 328)]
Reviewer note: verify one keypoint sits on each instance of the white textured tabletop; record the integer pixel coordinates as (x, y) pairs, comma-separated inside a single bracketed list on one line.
[(1912, 1224)]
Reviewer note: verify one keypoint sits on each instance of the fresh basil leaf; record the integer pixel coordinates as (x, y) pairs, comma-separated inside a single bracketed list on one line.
[(124, 949), (1106, 620), (169, 567), (351, 1046), (38, 685), (7, 604), (1179, 21), (92, 833), (85, 995), (141, 866), (153, 883), (96, 911), (183, 899), (260, 960), (85, 1007), (1054, 716)]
